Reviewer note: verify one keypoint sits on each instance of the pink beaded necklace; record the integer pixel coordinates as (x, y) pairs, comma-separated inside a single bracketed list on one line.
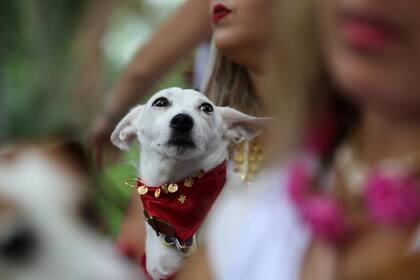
[(390, 198)]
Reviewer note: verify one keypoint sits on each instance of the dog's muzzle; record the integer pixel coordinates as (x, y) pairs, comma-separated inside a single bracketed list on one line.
[(181, 125)]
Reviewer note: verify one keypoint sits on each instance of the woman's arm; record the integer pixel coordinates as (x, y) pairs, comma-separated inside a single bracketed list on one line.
[(196, 267), (132, 233), (174, 39)]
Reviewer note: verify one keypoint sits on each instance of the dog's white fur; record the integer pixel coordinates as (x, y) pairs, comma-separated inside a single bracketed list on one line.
[(46, 196), (162, 163)]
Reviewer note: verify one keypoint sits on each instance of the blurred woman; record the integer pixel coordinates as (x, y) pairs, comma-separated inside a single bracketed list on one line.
[(236, 78), (345, 203)]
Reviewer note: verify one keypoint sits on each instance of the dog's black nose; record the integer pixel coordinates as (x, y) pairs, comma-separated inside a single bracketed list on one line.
[(182, 122)]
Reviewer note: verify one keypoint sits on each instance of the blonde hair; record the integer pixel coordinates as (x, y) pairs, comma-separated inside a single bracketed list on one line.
[(300, 88), (228, 84)]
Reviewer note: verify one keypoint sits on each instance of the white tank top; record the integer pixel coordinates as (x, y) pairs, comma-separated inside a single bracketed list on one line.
[(256, 234)]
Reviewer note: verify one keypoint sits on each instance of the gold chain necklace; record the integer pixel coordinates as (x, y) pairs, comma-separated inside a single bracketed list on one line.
[(248, 157)]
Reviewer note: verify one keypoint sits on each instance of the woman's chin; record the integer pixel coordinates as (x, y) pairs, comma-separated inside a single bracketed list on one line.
[(225, 40)]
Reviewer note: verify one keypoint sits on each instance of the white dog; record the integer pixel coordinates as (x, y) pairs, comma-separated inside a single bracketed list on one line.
[(46, 226), (180, 132)]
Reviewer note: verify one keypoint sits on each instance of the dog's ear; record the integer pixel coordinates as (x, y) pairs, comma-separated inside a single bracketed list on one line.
[(124, 133), (242, 126)]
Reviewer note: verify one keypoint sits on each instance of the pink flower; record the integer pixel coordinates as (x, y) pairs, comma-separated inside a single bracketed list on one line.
[(393, 200), (326, 218), (321, 212)]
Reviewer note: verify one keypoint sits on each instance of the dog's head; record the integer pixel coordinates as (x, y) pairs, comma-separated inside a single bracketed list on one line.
[(47, 230), (184, 124)]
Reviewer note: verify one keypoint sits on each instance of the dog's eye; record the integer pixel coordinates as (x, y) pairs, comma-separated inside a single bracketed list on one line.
[(206, 107), (161, 102)]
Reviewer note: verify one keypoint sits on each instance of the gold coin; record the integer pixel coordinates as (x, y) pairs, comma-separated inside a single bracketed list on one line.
[(165, 188), (157, 193), (172, 188), (201, 174), (189, 182), (142, 190)]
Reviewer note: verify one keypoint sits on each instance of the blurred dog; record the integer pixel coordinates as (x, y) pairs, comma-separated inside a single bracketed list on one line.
[(47, 230), (180, 133)]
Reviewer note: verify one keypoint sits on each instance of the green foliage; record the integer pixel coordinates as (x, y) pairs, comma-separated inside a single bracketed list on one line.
[(34, 57), (115, 195)]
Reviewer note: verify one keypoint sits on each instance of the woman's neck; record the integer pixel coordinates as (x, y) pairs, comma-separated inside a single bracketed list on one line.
[(258, 80), (383, 136)]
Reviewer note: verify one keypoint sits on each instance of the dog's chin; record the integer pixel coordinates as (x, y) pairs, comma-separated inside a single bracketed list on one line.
[(181, 147), (181, 144)]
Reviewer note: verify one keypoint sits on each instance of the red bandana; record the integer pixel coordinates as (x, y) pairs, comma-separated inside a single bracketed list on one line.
[(182, 206)]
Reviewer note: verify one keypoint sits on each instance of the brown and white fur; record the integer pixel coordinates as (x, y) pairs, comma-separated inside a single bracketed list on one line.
[(180, 132), (46, 232)]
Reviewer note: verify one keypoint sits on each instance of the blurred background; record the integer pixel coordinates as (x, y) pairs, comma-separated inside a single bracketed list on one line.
[(59, 58)]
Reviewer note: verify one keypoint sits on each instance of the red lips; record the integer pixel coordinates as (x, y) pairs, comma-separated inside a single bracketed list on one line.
[(369, 31), (220, 11)]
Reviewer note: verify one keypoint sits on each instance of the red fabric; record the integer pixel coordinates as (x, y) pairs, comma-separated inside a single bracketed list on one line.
[(186, 218)]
